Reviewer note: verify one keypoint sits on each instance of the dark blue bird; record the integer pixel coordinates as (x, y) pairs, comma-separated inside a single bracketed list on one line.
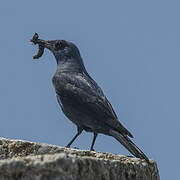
[(80, 97)]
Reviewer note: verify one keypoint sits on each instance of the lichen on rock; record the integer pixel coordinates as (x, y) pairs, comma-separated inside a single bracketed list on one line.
[(23, 160)]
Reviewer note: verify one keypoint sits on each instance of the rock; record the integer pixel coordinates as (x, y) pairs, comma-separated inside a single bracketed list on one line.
[(23, 160)]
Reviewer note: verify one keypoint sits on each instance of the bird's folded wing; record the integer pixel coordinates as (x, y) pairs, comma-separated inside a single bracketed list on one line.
[(86, 92)]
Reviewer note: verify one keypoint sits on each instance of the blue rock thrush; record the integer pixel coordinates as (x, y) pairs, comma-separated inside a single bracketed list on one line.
[(80, 97)]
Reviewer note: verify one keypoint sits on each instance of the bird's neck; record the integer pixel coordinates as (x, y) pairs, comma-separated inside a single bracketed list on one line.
[(71, 65)]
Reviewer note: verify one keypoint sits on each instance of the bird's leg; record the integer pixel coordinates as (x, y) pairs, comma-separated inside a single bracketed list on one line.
[(94, 139), (78, 133)]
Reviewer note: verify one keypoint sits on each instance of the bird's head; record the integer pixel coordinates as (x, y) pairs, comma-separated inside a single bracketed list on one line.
[(62, 50)]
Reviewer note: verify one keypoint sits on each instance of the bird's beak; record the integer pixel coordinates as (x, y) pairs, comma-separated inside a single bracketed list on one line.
[(44, 43)]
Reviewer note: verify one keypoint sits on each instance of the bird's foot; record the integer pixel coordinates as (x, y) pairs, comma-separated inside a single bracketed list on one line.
[(68, 146), (92, 149), (75, 147)]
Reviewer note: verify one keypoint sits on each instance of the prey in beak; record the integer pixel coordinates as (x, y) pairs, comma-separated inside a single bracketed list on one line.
[(36, 40), (42, 44)]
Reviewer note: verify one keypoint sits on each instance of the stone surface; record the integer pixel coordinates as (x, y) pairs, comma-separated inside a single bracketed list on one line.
[(23, 160)]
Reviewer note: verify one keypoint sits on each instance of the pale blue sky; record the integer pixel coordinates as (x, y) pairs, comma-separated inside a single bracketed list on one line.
[(131, 48)]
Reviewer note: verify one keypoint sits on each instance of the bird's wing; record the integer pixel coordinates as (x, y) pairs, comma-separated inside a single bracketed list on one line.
[(85, 91)]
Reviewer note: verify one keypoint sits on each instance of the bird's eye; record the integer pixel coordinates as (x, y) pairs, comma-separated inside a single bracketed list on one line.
[(59, 46)]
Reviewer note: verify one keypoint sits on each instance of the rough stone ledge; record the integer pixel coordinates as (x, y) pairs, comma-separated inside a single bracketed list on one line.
[(23, 160)]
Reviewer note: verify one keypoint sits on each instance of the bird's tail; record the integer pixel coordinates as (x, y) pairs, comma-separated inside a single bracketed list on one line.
[(129, 145)]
